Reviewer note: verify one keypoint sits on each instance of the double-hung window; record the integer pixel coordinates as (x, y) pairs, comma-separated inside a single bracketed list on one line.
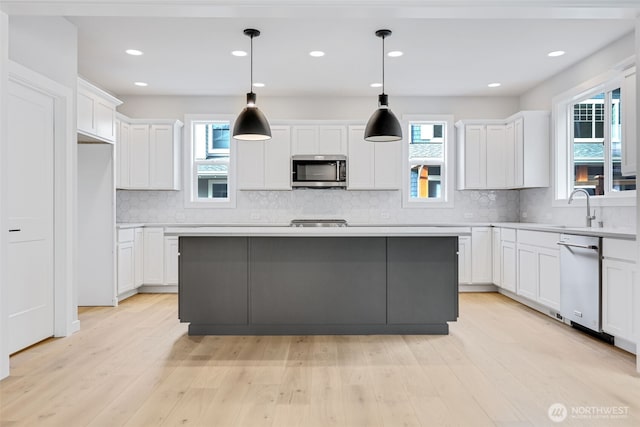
[(589, 132), (428, 177), (210, 156)]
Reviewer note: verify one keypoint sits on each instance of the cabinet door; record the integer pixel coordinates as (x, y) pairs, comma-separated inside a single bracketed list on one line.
[(629, 136), (617, 297), (510, 155), (304, 140), (496, 270), (277, 159), (518, 155), (549, 278), (171, 255), (161, 157), (496, 156), (527, 272), (464, 259), (138, 262), (332, 140), (123, 155), (125, 267), (509, 266), (251, 164), (361, 160), (105, 116), (388, 163), (153, 256), (481, 255), (139, 156), (475, 156), (86, 112)]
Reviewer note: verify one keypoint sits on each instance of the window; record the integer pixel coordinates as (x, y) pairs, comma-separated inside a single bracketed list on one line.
[(210, 157), (428, 179), (589, 133)]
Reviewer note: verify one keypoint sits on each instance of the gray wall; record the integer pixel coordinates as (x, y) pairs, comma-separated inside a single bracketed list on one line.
[(536, 204), (281, 206)]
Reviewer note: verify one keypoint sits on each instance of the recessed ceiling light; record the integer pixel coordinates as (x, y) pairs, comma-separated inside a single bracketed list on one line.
[(556, 53), (395, 53), (376, 85), (239, 53), (494, 84), (134, 52), (141, 84), (316, 53), (257, 84)]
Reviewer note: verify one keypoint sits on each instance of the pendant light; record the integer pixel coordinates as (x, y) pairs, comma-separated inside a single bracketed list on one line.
[(251, 124), (383, 125)]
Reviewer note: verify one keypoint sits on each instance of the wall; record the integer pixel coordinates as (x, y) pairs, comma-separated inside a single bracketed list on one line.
[(536, 204), (371, 207), (4, 59)]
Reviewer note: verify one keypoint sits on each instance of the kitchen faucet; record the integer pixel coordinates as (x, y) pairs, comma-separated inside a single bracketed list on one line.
[(589, 216)]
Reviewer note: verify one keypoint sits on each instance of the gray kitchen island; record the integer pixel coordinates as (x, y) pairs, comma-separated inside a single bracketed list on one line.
[(352, 280)]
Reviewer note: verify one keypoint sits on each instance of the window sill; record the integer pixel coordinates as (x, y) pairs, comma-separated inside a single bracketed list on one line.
[(598, 201), (210, 204)]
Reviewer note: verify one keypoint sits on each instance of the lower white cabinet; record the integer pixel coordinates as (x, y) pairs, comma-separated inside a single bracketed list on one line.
[(464, 259), (138, 256), (126, 267), (538, 268), (171, 255), (496, 267), (508, 261), (619, 289), (153, 272), (481, 260)]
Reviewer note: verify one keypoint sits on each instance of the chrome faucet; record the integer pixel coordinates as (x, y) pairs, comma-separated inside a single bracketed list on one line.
[(589, 217)]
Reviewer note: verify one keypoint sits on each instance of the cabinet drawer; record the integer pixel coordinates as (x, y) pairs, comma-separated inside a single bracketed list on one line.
[(125, 235), (508, 235), (626, 250), (539, 238)]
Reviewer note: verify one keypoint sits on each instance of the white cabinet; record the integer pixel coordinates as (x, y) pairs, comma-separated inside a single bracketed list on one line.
[(319, 139), (372, 166), (150, 155), (496, 256), (171, 255), (138, 257), (153, 270), (619, 289), (481, 263), (508, 268), (96, 113), (538, 268), (464, 259), (628, 119), (265, 165), (510, 153)]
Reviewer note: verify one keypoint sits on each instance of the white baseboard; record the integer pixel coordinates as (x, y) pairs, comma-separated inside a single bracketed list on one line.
[(485, 287), (158, 289), (625, 345), (75, 327), (532, 304), (123, 296)]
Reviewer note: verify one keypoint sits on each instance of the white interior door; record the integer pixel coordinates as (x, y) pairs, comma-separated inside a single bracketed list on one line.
[(30, 216)]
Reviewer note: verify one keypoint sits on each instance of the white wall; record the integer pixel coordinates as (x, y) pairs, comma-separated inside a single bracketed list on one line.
[(536, 204), (371, 207)]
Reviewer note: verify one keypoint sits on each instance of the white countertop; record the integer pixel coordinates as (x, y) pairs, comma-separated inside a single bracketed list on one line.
[(445, 229)]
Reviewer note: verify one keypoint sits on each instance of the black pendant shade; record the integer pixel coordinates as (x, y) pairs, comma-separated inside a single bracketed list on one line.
[(383, 125), (251, 124)]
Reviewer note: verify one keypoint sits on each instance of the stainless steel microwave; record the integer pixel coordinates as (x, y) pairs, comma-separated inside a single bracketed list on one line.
[(319, 171)]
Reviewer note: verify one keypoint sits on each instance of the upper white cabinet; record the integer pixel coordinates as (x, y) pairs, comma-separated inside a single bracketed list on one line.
[(538, 267), (265, 165), (629, 128), (319, 139), (510, 153), (149, 157), (372, 165), (96, 114)]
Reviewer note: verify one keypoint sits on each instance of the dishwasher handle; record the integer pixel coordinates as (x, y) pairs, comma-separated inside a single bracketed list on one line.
[(574, 245)]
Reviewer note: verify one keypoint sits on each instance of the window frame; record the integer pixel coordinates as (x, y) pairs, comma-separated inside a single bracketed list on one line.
[(191, 199), (562, 120), (447, 164)]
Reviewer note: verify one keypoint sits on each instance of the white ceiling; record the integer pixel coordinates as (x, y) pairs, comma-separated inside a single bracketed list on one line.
[(453, 50)]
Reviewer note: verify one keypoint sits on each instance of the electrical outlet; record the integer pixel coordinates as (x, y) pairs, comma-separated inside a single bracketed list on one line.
[(468, 215), (384, 215), (255, 215)]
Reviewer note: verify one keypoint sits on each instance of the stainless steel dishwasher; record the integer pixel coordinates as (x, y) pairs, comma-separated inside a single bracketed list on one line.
[(580, 281)]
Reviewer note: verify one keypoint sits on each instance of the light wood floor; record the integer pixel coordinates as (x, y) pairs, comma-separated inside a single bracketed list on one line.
[(502, 364)]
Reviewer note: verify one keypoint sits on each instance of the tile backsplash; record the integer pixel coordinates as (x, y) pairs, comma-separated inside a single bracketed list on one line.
[(357, 207)]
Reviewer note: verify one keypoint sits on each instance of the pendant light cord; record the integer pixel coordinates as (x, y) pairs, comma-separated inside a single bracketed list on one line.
[(383, 64), (251, 83)]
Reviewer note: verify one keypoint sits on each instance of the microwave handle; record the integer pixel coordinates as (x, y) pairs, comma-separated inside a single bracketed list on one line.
[(337, 170)]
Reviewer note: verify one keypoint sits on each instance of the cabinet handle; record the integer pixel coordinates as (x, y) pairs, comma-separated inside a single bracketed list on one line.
[(13, 230), (573, 245)]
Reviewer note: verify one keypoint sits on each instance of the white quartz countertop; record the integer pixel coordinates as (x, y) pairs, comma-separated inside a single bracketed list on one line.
[(280, 231), (614, 233)]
